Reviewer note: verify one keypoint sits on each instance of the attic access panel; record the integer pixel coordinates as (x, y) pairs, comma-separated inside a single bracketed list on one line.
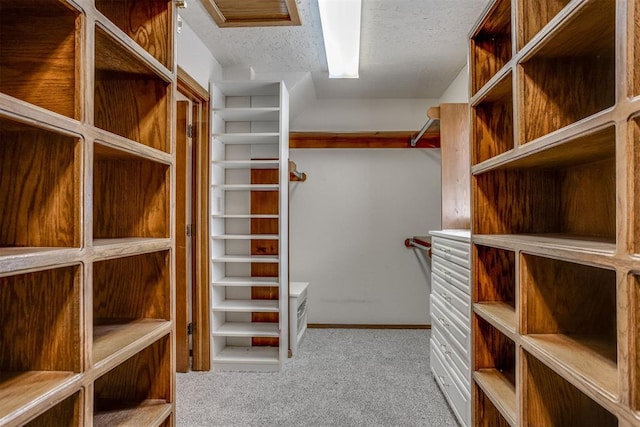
[(252, 13)]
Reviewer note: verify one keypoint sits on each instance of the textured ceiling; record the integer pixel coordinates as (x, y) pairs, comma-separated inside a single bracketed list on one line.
[(409, 48)]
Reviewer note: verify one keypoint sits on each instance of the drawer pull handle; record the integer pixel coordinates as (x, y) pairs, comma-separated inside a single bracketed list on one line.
[(445, 296), (444, 323), (443, 380)]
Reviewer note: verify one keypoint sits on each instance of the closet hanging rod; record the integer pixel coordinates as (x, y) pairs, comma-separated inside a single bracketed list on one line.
[(433, 115), (419, 243)]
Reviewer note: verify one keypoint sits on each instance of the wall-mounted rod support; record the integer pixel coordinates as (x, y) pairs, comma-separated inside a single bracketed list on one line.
[(415, 139), (418, 242), (295, 174), (298, 176), (433, 115)]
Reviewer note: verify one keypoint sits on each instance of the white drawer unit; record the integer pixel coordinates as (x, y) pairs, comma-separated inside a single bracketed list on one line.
[(458, 396), (450, 304)]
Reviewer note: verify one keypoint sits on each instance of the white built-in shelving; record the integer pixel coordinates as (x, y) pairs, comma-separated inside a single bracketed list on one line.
[(249, 224)]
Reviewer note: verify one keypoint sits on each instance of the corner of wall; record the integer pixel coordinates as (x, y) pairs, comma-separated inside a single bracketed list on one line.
[(458, 90)]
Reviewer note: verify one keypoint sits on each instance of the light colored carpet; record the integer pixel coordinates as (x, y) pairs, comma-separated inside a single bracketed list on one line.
[(340, 377)]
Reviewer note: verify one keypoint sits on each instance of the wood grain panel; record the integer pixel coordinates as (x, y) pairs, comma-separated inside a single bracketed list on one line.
[(634, 59), (557, 92), (634, 371), (65, 414), (493, 122), (589, 32), (147, 375), (634, 141), (129, 99), (552, 401), (38, 56), (39, 187), (430, 139), (495, 278), (533, 16), (491, 46), (253, 13), (455, 148), (515, 202), (568, 298), (131, 288), (264, 202), (587, 148), (485, 413), (135, 108), (145, 21), (40, 321), (182, 264), (493, 350), (577, 200), (589, 188), (131, 197)]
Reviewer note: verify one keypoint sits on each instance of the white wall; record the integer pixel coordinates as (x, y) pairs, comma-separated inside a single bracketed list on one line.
[(348, 115), (458, 90), (350, 218), (195, 58), (348, 223)]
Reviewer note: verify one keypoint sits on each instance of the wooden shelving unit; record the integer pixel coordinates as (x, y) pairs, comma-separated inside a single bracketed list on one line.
[(86, 239), (249, 226), (555, 178)]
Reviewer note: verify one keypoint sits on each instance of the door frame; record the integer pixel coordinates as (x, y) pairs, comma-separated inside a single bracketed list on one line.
[(201, 354)]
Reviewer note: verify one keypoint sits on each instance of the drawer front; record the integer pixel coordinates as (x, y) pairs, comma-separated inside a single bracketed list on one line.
[(456, 252), (460, 335), (451, 273), (452, 296), (453, 360), (460, 401)]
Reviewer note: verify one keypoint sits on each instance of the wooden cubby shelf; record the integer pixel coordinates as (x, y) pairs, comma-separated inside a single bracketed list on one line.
[(533, 16), (555, 214), (554, 194), (147, 22), (571, 75), (40, 338), (67, 413), (493, 121), (130, 99), (570, 319), (552, 401), (487, 415), (130, 304), (136, 392), (495, 287), (39, 187), (86, 187), (38, 58), (491, 46), (131, 196), (495, 367)]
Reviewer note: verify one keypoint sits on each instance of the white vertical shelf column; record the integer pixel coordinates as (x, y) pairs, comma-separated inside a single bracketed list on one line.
[(250, 131)]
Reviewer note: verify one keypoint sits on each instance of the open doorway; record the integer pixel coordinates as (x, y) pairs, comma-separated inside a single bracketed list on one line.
[(192, 225)]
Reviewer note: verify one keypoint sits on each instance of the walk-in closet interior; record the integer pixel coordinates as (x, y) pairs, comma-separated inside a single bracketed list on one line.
[(205, 220)]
